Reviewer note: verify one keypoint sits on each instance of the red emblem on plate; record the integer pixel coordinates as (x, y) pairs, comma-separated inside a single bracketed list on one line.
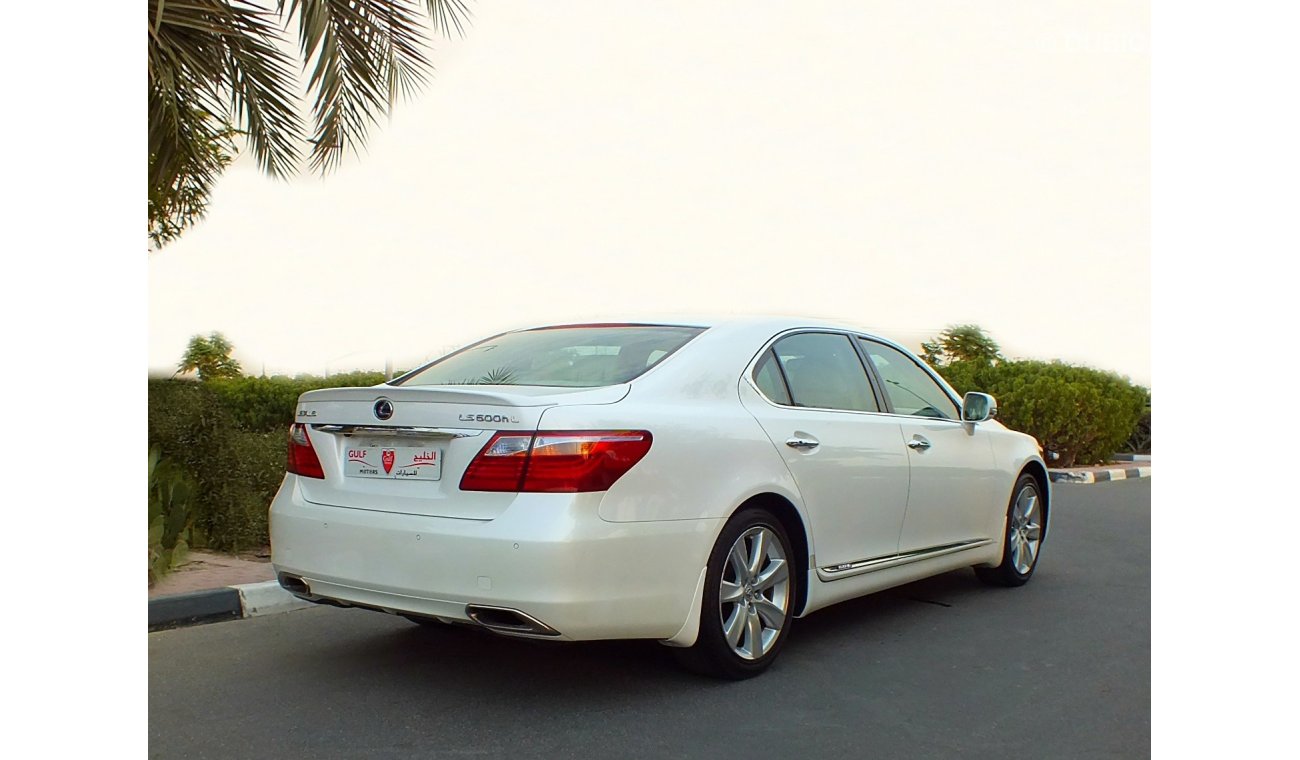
[(389, 456)]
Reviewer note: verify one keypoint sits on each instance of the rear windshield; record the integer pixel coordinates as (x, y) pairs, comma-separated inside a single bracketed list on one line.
[(573, 357)]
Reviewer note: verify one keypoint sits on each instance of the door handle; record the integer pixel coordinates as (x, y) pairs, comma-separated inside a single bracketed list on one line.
[(803, 444), (918, 444)]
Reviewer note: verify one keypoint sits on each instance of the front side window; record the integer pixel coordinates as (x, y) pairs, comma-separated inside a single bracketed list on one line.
[(824, 371), (911, 390), (580, 356)]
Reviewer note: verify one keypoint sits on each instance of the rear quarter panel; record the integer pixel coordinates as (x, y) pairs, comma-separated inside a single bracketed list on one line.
[(707, 458), (709, 454)]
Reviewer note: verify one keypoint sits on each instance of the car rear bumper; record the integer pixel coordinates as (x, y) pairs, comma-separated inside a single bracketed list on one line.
[(549, 556)]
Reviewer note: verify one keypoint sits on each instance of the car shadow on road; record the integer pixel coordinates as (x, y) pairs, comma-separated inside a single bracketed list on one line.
[(408, 657)]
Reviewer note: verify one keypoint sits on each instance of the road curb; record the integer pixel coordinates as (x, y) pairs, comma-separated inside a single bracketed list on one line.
[(1132, 457), (217, 604), (1098, 476)]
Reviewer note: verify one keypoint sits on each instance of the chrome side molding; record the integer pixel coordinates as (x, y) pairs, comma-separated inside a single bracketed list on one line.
[(850, 569)]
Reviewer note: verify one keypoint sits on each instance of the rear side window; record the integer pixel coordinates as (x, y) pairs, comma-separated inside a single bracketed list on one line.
[(767, 376), (823, 370), (580, 356)]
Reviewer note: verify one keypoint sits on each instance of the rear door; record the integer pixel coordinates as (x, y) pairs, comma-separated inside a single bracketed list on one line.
[(954, 478), (817, 405)]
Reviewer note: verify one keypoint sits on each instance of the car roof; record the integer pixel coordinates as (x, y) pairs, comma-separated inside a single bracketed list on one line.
[(743, 326), (732, 321)]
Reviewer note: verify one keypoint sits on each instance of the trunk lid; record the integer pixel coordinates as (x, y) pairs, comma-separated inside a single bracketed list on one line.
[(412, 462)]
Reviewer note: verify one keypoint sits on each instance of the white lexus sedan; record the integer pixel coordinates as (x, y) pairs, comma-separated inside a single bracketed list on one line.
[(700, 484)]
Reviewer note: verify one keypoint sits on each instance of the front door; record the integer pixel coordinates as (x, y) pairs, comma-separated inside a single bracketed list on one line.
[(954, 480)]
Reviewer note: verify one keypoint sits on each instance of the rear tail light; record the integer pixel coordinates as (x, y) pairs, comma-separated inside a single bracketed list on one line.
[(556, 461), (302, 457), (500, 465)]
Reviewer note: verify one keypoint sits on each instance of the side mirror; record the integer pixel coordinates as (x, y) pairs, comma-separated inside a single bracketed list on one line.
[(978, 407)]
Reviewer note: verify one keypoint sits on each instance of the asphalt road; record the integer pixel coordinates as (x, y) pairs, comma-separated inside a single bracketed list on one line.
[(941, 668)]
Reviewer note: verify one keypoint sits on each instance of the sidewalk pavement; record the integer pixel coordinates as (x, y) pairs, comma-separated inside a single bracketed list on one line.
[(210, 587), (206, 570)]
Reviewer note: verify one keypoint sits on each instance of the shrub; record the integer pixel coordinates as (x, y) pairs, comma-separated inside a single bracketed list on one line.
[(267, 403), (1083, 414), (229, 438), (1140, 441), (232, 469), (171, 496), (251, 469), (193, 430)]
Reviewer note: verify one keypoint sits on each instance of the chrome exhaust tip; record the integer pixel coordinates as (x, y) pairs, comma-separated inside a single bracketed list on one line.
[(509, 621), (293, 584), (299, 588)]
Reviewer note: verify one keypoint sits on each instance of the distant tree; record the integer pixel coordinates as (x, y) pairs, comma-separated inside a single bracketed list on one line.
[(210, 358), (961, 343)]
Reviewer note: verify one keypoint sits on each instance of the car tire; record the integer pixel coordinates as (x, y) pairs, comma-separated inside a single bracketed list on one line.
[(741, 634), (1023, 537)]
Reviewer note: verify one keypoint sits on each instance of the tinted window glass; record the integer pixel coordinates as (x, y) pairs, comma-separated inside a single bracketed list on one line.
[(768, 378), (824, 371), (574, 357), (911, 390)]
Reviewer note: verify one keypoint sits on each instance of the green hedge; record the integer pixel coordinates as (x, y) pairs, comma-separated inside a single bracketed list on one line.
[(1140, 441), (230, 437), (237, 471), (267, 403), (1084, 415)]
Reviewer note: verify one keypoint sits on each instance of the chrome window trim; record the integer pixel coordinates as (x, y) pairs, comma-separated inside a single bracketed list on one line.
[(868, 368), (780, 371), (859, 567), (753, 363)]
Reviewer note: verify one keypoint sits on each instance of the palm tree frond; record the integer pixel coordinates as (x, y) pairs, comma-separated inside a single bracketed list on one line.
[(448, 15), (361, 53), (263, 84), (181, 183), (213, 64), (219, 69)]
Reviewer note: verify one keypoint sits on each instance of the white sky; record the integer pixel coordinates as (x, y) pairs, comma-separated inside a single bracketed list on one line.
[(898, 165)]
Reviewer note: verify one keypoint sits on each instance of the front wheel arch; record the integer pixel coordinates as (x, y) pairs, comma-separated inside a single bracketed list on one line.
[(1039, 471), (1019, 522)]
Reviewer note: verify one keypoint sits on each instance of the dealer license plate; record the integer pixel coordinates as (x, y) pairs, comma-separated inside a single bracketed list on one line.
[(417, 462)]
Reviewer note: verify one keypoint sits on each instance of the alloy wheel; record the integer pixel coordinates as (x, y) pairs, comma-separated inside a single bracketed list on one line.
[(1026, 530), (754, 598)]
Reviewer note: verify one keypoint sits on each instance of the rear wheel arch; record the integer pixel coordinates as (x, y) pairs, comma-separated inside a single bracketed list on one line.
[(783, 510)]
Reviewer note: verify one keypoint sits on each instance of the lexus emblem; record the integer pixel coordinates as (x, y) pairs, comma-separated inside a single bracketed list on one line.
[(383, 409)]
